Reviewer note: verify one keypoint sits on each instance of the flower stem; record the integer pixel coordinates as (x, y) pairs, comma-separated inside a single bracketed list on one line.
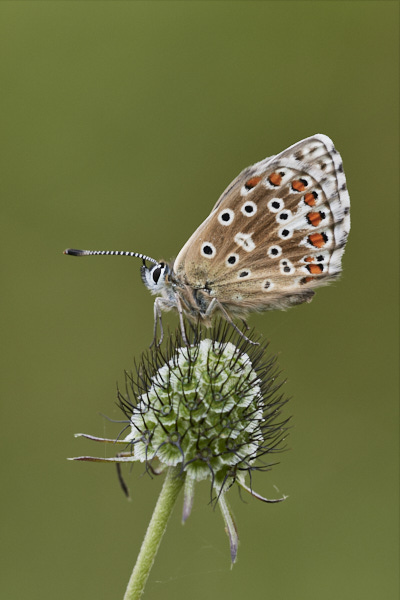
[(172, 485)]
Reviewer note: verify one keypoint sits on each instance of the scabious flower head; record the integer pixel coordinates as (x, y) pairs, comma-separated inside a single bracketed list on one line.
[(210, 407)]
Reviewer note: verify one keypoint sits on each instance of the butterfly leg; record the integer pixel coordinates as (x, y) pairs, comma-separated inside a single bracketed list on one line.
[(245, 324), (180, 312), (157, 319), (214, 302)]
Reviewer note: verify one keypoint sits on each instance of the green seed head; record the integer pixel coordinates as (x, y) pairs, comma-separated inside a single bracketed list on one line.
[(204, 408)]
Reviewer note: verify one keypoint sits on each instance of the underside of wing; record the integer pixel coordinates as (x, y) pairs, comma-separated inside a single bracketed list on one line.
[(276, 233)]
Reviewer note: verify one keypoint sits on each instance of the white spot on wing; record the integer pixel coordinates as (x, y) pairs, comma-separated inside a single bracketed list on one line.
[(233, 255), (267, 285), (286, 267), (244, 241), (245, 274), (226, 216), (249, 208), (284, 216), (208, 250), (274, 251), (275, 205), (285, 233)]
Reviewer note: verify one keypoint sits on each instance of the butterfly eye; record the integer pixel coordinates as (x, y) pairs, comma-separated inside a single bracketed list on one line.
[(249, 208), (226, 216), (156, 271), (155, 274), (154, 278), (208, 250)]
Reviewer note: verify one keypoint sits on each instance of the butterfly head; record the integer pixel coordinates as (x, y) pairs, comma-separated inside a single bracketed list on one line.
[(154, 278)]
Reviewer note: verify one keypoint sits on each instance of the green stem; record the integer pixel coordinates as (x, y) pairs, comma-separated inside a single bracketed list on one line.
[(172, 485)]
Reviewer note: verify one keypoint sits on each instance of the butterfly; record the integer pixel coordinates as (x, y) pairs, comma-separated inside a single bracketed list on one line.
[(276, 233)]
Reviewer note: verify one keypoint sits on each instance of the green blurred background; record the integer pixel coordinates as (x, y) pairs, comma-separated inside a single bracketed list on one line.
[(122, 122)]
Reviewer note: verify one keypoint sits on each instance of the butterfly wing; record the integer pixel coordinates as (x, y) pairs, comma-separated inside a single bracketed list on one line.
[(276, 233)]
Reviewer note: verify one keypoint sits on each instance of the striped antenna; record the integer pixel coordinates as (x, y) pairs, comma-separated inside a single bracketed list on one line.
[(72, 252)]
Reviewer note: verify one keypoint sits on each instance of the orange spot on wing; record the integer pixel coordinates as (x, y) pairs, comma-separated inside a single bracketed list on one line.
[(310, 198), (306, 279), (317, 239), (275, 179), (252, 182), (315, 269), (314, 218), (309, 259), (299, 185)]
